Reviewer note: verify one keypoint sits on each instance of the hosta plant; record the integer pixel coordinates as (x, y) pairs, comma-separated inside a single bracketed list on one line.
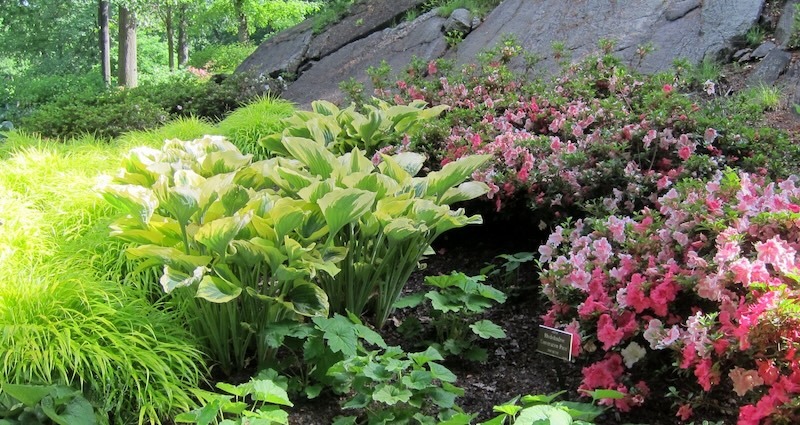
[(455, 305), (45, 404), (547, 409), (340, 130), (237, 254), (705, 287), (384, 216)]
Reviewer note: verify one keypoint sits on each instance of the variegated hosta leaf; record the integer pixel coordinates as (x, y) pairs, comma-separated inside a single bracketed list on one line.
[(323, 107), (319, 160), (182, 202), (246, 253), (287, 215), (454, 173), (316, 190), (355, 162), (169, 256), (403, 228), (274, 144), (217, 234), (138, 168), (393, 169), (455, 220), (323, 130), (295, 179), (273, 255), (172, 278), (263, 228), (428, 212), (412, 162), (129, 229), (345, 206), (308, 299), (234, 199), (217, 290), (390, 208), (137, 201), (368, 225), (464, 192), (223, 162)]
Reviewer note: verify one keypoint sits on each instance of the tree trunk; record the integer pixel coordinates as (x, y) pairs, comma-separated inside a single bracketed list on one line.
[(183, 41), (170, 37), (238, 10), (105, 41), (128, 72)]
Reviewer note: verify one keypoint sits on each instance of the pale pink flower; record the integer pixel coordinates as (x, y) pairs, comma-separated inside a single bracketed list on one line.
[(744, 380)]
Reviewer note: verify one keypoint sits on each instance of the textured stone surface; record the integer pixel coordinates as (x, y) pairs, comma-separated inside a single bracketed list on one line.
[(784, 28), (284, 52), (763, 49), (770, 68), (689, 29), (460, 20), (422, 38), (292, 48)]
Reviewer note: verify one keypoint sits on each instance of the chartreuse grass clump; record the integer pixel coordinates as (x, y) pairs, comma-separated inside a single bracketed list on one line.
[(65, 318), (245, 126)]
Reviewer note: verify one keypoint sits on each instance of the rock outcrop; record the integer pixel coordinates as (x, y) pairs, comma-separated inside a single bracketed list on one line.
[(667, 29), (690, 29)]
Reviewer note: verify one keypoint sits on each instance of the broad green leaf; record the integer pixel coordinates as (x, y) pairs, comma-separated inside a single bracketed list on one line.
[(172, 279), (444, 303), (391, 394), (582, 411), (464, 192), (340, 334), (425, 357), (28, 395), (487, 329), (308, 299), (412, 300), (418, 380), (602, 393), (442, 398), (234, 199), (296, 179), (441, 373), (369, 335), (453, 173), (508, 409), (459, 419), (356, 162), (77, 411), (345, 206), (217, 290), (316, 190), (217, 234), (456, 219), (319, 160), (499, 420), (274, 144), (137, 201), (543, 412), (269, 391), (323, 130), (345, 420)]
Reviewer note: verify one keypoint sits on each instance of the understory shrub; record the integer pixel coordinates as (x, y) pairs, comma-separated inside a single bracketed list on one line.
[(700, 292), (598, 137)]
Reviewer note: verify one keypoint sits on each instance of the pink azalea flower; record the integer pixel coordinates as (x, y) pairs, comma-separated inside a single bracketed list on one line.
[(744, 380)]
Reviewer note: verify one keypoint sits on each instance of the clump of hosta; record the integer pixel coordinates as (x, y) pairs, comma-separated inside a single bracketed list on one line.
[(275, 240), (707, 282), (381, 126)]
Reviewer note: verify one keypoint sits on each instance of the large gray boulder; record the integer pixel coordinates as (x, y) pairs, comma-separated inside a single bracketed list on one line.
[(289, 50), (420, 38), (690, 29)]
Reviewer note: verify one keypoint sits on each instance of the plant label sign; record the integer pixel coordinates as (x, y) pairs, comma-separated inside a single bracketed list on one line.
[(555, 342)]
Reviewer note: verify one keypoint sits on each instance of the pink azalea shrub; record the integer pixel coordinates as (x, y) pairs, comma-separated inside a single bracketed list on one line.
[(700, 291), (597, 137)]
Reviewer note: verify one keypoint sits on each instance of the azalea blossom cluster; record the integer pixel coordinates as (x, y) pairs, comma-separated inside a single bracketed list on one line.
[(706, 280)]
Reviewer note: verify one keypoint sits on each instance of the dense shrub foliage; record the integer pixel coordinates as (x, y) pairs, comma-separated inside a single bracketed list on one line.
[(707, 283), (221, 58), (598, 137)]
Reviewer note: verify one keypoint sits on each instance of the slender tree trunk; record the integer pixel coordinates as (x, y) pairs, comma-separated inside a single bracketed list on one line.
[(128, 72), (238, 9), (183, 39), (170, 38), (105, 40)]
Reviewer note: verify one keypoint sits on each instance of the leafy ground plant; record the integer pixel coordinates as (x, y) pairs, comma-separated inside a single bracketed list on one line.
[(260, 401), (396, 387), (455, 305), (545, 409)]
